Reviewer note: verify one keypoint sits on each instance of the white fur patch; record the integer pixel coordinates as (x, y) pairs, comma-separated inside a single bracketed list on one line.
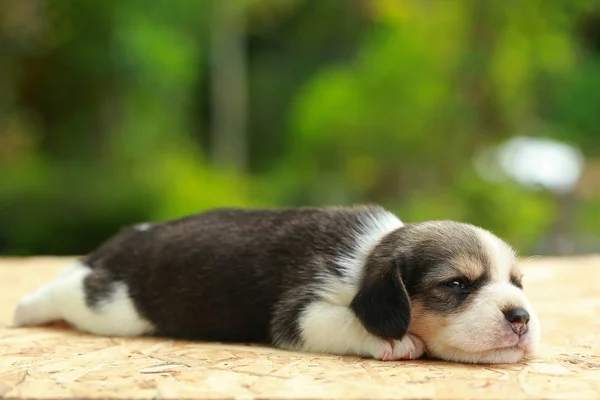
[(500, 254), (374, 227), (329, 328), (64, 299), (333, 329), (482, 334)]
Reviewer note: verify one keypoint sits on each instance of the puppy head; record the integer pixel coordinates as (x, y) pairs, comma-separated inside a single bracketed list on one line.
[(464, 291)]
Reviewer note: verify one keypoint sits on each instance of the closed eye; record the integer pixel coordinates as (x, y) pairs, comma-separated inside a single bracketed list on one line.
[(458, 284)]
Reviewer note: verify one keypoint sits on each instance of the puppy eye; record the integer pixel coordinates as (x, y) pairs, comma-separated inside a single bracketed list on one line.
[(457, 284)]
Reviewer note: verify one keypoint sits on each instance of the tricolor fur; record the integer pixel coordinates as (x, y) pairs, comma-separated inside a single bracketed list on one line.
[(348, 281)]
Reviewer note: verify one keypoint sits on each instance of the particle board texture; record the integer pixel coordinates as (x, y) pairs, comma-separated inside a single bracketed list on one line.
[(58, 362)]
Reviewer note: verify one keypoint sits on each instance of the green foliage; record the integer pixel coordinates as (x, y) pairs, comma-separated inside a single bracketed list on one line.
[(576, 106), (183, 184), (105, 111)]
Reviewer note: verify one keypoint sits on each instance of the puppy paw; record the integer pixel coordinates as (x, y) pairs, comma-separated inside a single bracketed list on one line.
[(409, 347), (25, 313), (32, 309)]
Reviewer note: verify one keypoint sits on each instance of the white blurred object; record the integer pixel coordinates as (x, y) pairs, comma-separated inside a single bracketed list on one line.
[(536, 162)]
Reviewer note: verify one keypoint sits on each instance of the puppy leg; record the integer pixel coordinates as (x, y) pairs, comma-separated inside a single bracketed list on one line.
[(65, 298), (39, 307), (330, 328)]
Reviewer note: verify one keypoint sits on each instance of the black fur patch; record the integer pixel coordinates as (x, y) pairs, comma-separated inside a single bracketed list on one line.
[(382, 303), (227, 274)]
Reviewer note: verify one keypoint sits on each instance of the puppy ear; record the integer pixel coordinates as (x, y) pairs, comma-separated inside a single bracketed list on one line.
[(382, 303)]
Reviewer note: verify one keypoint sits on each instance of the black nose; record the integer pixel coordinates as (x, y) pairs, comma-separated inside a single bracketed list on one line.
[(518, 318)]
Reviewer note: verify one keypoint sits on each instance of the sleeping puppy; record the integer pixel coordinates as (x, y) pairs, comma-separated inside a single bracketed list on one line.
[(346, 281)]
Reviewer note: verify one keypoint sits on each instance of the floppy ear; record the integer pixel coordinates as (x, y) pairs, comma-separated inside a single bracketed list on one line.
[(382, 303)]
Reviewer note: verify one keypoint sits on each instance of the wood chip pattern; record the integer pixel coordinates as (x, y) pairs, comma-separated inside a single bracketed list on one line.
[(57, 362)]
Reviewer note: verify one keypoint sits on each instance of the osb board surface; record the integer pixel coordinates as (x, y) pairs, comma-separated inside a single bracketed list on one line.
[(54, 362)]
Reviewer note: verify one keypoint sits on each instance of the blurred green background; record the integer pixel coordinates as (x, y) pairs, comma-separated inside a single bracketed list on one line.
[(120, 111)]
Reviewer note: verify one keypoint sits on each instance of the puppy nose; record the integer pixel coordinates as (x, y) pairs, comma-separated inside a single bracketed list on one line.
[(518, 318)]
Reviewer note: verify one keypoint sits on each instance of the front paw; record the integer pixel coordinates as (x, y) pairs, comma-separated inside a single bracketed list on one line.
[(409, 347)]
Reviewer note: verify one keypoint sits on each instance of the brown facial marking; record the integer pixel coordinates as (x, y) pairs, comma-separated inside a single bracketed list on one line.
[(461, 266), (468, 266), (425, 324)]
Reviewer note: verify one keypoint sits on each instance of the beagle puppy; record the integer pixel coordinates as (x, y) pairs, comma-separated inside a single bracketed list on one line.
[(339, 280)]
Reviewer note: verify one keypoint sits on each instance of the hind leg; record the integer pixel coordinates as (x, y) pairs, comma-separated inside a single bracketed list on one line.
[(65, 298), (39, 307)]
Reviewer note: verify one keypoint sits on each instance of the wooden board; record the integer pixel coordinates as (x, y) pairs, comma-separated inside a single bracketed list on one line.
[(55, 362)]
